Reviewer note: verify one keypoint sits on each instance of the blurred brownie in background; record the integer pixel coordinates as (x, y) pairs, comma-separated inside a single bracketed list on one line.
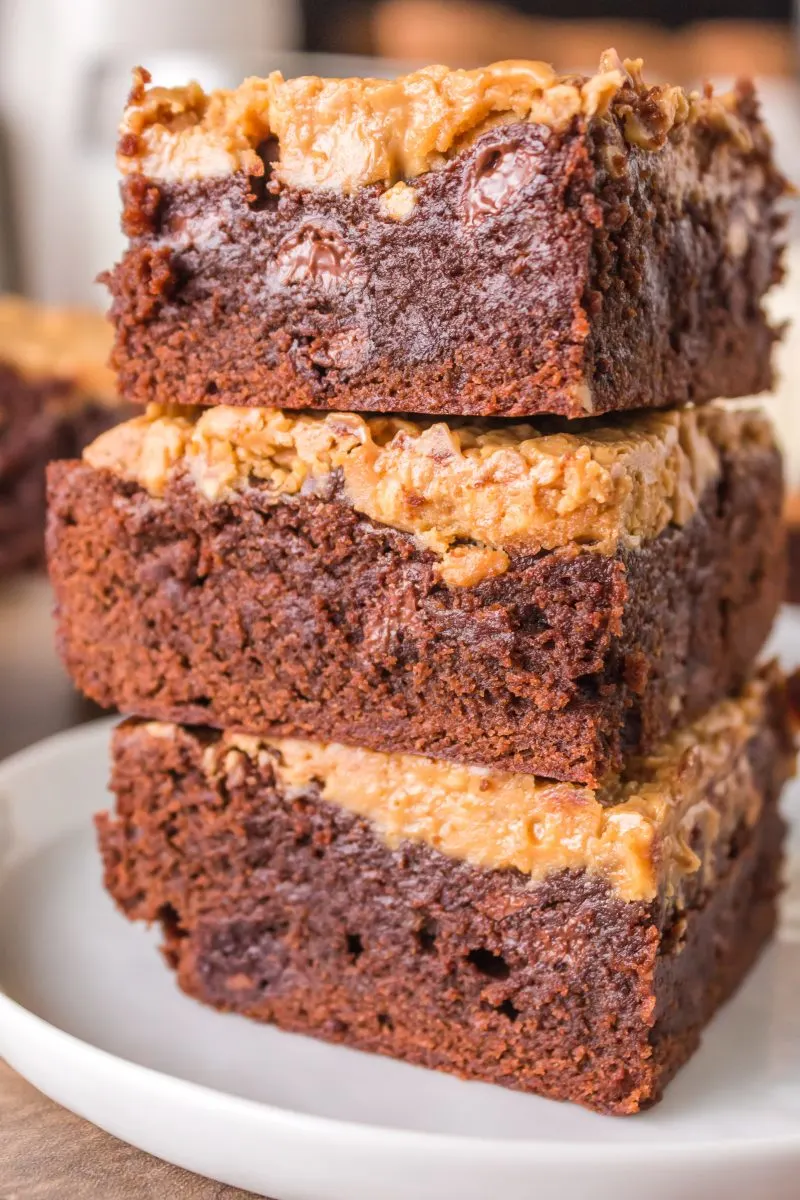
[(56, 395), (705, 40)]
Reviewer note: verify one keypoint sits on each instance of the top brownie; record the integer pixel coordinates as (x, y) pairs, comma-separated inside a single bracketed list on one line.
[(498, 242)]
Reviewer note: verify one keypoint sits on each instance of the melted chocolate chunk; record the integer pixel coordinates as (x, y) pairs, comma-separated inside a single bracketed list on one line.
[(499, 173), (314, 256)]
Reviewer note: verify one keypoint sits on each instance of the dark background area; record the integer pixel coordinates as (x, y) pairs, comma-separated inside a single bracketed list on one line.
[(711, 37)]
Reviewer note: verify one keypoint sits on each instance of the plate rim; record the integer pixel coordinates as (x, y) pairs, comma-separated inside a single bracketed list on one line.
[(411, 1141), (355, 1133)]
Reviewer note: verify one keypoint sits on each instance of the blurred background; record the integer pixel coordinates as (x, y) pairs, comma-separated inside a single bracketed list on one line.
[(65, 71)]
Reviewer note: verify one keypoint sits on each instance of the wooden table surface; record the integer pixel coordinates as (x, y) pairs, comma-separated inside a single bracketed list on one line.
[(46, 1153)]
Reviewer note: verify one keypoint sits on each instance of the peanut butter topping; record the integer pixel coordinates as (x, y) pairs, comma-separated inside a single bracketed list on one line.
[(347, 133), (640, 832), (57, 343), (472, 492)]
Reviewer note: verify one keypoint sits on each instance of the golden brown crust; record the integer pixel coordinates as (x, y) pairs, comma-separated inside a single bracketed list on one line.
[(501, 488), (69, 344), (645, 832), (347, 133)]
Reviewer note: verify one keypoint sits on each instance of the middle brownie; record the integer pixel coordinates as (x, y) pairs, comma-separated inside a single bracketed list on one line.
[(533, 599)]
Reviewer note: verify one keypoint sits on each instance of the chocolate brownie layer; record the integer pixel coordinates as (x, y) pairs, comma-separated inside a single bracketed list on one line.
[(290, 909), (56, 395), (296, 615), (610, 255)]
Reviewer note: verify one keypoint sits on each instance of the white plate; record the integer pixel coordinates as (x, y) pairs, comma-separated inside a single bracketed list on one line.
[(92, 1017)]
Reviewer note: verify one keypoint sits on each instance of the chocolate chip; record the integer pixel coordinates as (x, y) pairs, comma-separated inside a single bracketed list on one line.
[(316, 256), (500, 171)]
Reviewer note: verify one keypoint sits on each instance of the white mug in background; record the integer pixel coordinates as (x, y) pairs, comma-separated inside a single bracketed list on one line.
[(62, 81)]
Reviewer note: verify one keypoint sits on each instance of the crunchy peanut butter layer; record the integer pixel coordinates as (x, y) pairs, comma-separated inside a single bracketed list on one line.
[(68, 344), (473, 492), (645, 832), (347, 133)]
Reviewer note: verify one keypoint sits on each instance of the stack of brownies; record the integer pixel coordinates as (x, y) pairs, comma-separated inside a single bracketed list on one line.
[(448, 739)]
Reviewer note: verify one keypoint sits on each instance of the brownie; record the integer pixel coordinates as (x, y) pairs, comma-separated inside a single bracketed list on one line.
[(222, 569), (500, 242), (298, 884), (56, 396)]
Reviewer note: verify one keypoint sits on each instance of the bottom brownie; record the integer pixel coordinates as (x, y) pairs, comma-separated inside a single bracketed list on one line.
[(292, 909)]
